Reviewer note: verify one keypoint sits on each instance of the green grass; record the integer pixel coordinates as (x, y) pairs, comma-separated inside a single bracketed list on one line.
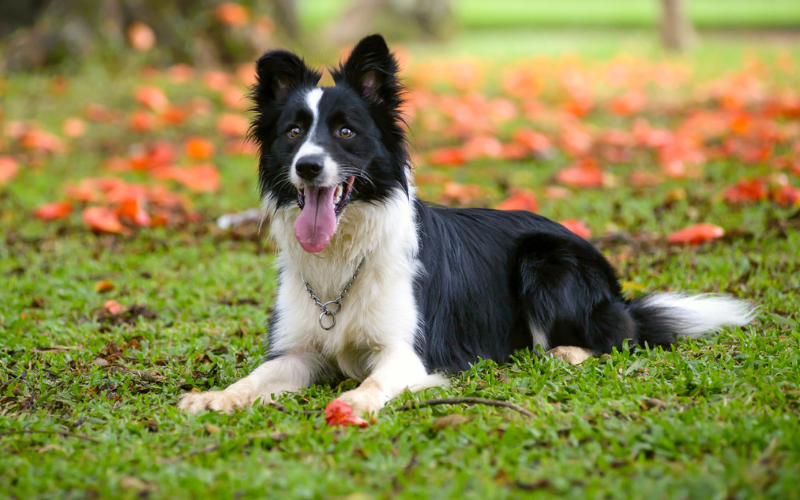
[(504, 14), (730, 427)]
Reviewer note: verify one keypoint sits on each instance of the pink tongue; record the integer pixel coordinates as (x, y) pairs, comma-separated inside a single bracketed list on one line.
[(316, 224)]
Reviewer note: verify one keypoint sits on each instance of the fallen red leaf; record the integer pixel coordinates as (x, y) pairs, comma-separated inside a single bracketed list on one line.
[(201, 178), (231, 14), (142, 121), (152, 97), (583, 173), (463, 193), (340, 413), (73, 127), (232, 125), (216, 80), (133, 209), (198, 148), (746, 190), (696, 234), (113, 307), (141, 37), (53, 211), (537, 143), (520, 199), (577, 227), (8, 169), (41, 141), (104, 220), (786, 196), (446, 157)]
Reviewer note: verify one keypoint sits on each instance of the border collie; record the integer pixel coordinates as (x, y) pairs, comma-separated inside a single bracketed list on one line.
[(379, 286)]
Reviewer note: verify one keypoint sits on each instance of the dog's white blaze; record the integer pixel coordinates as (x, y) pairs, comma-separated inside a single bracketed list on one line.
[(309, 147), (699, 314)]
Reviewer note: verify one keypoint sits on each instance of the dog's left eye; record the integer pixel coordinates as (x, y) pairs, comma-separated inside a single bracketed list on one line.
[(346, 133), (295, 131)]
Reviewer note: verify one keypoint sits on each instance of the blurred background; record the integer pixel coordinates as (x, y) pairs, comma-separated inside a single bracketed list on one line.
[(137, 110)]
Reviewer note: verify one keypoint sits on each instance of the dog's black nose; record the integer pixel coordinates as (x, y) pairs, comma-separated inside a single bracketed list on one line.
[(309, 167)]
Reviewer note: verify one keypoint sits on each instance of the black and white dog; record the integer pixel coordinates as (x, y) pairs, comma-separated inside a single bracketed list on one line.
[(416, 291)]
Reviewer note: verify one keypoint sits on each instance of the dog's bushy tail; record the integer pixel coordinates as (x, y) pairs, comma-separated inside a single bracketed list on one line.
[(664, 317)]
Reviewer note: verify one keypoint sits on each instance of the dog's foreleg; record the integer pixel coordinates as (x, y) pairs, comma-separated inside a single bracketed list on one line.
[(395, 370), (287, 373)]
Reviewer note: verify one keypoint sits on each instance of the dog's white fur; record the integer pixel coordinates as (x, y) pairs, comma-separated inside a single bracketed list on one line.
[(373, 340)]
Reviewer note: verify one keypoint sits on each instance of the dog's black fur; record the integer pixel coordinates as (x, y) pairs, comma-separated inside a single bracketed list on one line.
[(487, 278)]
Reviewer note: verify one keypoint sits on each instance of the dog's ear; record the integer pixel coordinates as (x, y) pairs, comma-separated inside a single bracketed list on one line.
[(371, 70), (277, 72)]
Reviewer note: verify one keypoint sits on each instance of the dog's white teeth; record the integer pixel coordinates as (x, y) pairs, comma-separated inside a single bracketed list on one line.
[(337, 195)]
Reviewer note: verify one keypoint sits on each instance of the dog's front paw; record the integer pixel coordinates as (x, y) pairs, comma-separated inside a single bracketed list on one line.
[(225, 401), (364, 402)]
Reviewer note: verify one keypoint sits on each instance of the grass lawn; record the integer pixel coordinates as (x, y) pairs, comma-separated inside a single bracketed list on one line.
[(725, 424), (504, 14)]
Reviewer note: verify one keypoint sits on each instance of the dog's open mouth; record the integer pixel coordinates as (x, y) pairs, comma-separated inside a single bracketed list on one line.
[(320, 207)]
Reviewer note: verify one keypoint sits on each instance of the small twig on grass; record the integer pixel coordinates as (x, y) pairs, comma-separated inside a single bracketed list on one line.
[(145, 375), (183, 456), (286, 410), (60, 433), (465, 401)]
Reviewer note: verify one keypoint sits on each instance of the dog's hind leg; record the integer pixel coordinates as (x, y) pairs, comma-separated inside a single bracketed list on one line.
[(570, 354), (570, 298), (286, 373)]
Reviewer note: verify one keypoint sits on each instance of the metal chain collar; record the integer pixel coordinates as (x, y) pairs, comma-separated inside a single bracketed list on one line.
[(325, 306)]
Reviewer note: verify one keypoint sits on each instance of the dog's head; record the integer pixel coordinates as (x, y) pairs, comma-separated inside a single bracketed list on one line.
[(324, 147)]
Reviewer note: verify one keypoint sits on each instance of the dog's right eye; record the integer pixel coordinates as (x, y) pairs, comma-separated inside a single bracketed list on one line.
[(295, 132)]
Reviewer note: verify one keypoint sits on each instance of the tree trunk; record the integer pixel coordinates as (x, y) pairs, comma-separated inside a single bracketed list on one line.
[(426, 19), (284, 12), (676, 29)]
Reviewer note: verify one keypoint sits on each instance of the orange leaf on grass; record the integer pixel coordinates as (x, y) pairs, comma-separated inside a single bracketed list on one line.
[(583, 173), (339, 413), (141, 37), (53, 211), (113, 307), (180, 73), (482, 146), (216, 80), (142, 121), (577, 227), (133, 209), (201, 178), (232, 125), (8, 169), (786, 196), (537, 143), (746, 190), (520, 199), (198, 148), (235, 98), (73, 127), (628, 104), (446, 157), (104, 220), (696, 234), (463, 193), (41, 141), (152, 97), (231, 14), (173, 115)]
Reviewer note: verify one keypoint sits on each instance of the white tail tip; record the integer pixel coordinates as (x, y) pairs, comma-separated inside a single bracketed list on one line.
[(700, 314)]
